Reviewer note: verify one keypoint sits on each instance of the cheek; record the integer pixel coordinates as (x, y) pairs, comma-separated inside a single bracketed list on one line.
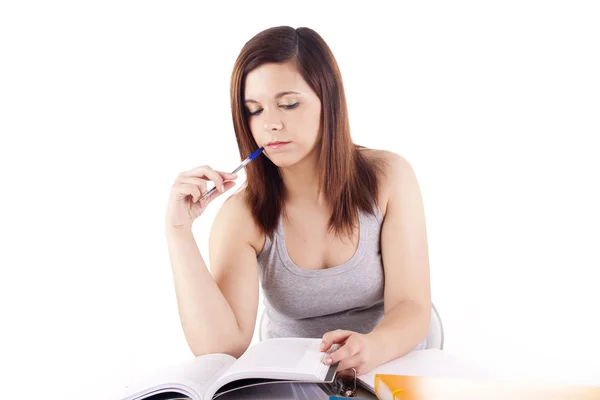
[(254, 127), (312, 124), (252, 123), (308, 121)]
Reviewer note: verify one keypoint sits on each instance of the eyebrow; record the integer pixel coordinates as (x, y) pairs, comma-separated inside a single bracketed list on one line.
[(277, 96)]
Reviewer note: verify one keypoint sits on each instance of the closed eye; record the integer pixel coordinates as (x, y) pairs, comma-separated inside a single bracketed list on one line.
[(286, 106), (290, 106)]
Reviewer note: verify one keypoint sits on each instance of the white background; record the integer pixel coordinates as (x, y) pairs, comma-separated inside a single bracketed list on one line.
[(495, 104)]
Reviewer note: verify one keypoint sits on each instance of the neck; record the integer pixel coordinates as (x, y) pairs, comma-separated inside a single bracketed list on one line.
[(301, 181)]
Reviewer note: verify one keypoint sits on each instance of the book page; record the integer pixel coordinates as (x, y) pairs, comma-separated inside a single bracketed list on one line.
[(191, 377), (297, 359), (291, 358)]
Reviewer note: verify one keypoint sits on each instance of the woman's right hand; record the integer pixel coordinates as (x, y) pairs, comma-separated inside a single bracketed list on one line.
[(184, 205)]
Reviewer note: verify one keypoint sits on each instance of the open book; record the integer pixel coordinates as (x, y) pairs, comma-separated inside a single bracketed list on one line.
[(273, 362), (281, 364)]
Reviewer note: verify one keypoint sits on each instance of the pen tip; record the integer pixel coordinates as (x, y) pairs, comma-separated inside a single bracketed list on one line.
[(256, 153)]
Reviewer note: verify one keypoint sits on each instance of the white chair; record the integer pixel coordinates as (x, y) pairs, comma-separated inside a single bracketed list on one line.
[(435, 336)]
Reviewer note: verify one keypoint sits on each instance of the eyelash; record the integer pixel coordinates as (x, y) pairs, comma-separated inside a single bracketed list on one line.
[(286, 106)]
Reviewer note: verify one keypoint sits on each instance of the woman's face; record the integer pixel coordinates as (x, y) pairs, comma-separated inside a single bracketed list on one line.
[(282, 108)]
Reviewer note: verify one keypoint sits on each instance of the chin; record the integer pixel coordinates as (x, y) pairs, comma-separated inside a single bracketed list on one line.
[(283, 160), (283, 163)]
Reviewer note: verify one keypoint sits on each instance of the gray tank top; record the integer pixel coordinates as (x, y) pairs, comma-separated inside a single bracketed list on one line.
[(308, 303)]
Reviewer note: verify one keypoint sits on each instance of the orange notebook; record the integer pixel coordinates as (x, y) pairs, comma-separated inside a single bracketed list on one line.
[(401, 387)]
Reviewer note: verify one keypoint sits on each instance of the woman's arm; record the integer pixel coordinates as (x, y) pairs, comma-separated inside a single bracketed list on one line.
[(407, 299), (404, 248), (218, 311)]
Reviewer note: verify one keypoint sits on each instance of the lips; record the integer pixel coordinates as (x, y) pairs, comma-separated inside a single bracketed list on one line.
[(276, 145)]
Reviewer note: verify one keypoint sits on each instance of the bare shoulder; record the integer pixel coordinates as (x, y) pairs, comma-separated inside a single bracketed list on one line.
[(395, 169), (395, 164), (235, 217)]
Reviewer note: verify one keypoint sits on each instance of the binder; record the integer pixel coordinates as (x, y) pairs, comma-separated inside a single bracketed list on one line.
[(405, 387)]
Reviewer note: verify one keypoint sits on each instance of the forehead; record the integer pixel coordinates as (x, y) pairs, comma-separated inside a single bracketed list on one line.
[(265, 81)]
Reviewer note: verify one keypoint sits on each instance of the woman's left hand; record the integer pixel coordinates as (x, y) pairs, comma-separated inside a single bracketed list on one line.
[(356, 351)]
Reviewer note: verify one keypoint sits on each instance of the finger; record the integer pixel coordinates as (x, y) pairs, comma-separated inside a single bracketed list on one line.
[(350, 348), (226, 186), (219, 178), (214, 176), (337, 336), (227, 175), (201, 183), (205, 170), (182, 190)]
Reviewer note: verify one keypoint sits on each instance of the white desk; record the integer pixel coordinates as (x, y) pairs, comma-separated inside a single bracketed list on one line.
[(429, 362)]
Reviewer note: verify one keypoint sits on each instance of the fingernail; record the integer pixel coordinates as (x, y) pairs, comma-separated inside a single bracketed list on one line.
[(328, 360), (222, 188), (322, 345)]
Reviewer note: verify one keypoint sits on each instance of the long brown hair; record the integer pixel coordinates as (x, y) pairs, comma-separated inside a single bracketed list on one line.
[(347, 178)]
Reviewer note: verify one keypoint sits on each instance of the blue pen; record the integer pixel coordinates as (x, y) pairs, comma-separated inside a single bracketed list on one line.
[(242, 165)]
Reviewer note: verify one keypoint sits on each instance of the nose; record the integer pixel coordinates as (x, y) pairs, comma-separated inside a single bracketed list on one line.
[(272, 122), (274, 126)]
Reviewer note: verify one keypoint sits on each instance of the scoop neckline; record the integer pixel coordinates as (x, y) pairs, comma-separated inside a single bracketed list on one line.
[(352, 262)]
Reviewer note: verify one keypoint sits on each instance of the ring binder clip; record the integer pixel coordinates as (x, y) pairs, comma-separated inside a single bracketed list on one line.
[(342, 388)]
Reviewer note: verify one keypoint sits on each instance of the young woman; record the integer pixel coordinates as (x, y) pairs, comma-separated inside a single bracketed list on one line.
[(334, 232)]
